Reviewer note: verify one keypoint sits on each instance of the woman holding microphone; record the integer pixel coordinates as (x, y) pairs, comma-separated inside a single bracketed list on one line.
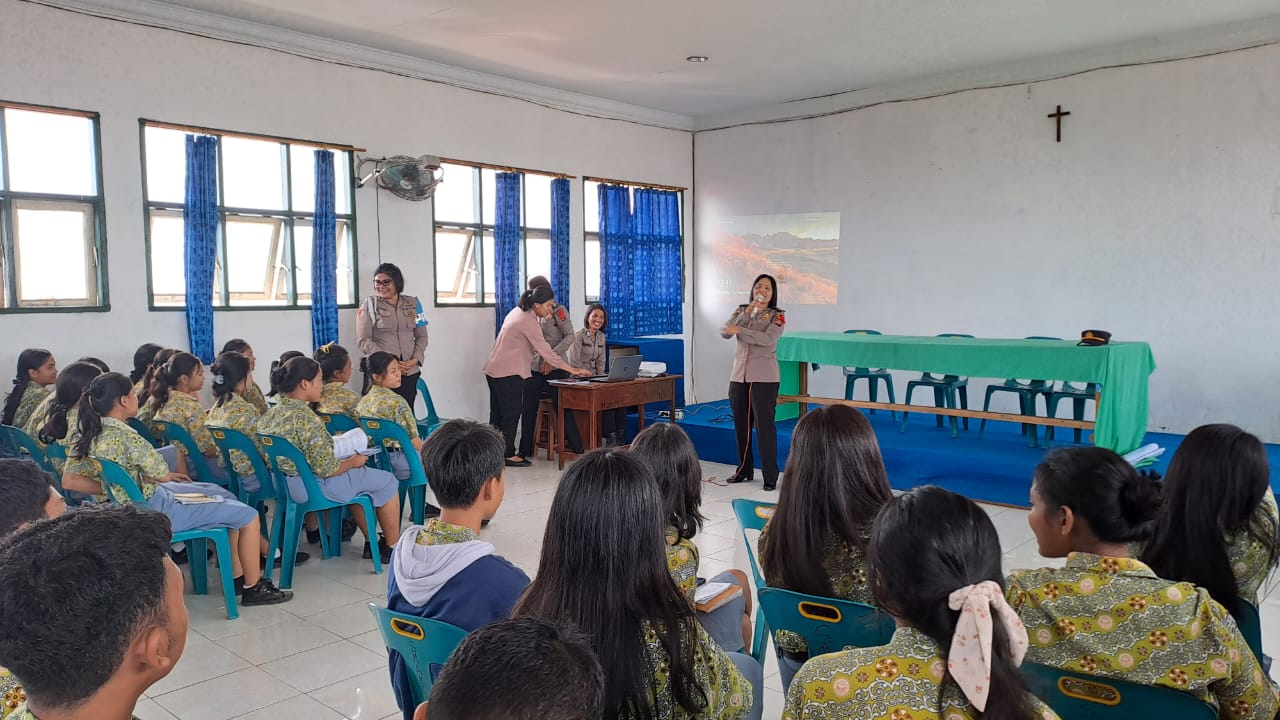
[(753, 383), (510, 363)]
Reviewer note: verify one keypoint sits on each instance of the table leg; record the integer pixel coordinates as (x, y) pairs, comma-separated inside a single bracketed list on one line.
[(594, 423), (803, 386), (560, 434)]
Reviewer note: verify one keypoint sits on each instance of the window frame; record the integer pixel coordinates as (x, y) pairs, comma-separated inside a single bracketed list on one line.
[(282, 243), (95, 251), (590, 236)]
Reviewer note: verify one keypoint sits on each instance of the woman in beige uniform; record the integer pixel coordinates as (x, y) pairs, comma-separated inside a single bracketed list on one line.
[(393, 322), (753, 384), (557, 330)]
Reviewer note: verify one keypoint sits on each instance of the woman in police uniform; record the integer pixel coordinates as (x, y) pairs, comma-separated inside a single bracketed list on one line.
[(557, 330), (753, 383), (394, 322)]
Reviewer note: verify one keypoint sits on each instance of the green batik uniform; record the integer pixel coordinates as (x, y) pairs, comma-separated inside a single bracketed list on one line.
[(682, 563), (728, 693), (38, 417), (438, 532), (254, 395), (903, 680), (123, 446), (297, 422), (385, 404), (239, 414), (11, 695), (845, 564), (1249, 561), (1113, 617), (32, 395), (338, 399)]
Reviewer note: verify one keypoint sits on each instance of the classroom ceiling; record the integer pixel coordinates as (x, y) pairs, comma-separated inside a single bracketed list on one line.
[(761, 52)]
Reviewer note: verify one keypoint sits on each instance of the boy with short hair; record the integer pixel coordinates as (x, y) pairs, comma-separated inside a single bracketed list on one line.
[(443, 570)]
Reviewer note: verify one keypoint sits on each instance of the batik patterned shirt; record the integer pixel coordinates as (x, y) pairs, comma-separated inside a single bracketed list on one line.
[(254, 395), (899, 681), (385, 404), (32, 395), (1249, 561), (338, 399), (1112, 617), (238, 414), (296, 422), (11, 695), (438, 532), (123, 446), (728, 693), (183, 409), (682, 563), (38, 417), (846, 565)]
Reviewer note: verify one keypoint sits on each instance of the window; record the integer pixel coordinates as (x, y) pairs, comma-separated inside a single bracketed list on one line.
[(266, 208), (591, 237), (463, 208), (51, 211)]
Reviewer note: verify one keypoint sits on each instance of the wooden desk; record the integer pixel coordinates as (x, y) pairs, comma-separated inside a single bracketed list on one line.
[(593, 397)]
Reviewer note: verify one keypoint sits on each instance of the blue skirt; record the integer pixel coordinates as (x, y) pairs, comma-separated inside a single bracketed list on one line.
[(230, 513), (380, 485)]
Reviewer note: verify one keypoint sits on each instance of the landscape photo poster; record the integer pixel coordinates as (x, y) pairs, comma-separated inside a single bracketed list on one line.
[(801, 250)]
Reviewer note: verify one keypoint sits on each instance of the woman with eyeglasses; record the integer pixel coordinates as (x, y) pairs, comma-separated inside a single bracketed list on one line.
[(393, 322)]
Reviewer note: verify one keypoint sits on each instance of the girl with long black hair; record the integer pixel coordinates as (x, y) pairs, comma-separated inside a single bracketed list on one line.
[(36, 371), (335, 366), (58, 425), (252, 392), (602, 570), (143, 357), (175, 398), (753, 382)]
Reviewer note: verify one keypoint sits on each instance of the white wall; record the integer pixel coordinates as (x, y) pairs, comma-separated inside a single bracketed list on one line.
[(1157, 217), (127, 72)]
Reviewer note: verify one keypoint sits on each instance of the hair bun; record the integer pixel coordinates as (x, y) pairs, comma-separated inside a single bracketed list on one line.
[(1140, 499), (364, 364)]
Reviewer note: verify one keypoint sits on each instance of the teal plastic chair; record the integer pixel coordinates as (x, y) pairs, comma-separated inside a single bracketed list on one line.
[(946, 388), (1250, 624), (753, 515), (227, 440), (415, 486), (1027, 393), (277, 448), (1074, 696), (54, 451), (21, 442), (1077, 395), (428, 423), (872, 376), (196, 540), (424, 644), (826, 624), (175, 434), (142, 429), (335, 423)]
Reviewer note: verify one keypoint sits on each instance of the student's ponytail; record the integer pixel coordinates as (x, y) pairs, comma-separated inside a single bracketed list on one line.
[(375, 364), (166, 378), (98, 399), (28, 360), (229, 370), (535, 296), (286, 377), (72, 381), (149, 379)]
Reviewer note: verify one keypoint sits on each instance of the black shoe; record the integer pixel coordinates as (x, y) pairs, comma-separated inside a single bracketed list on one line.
[(179, 557), (431, 511), (518, 463), (384, 551), (313, 536), (771, 486), (738, 478), (265, 593), (348, 529), (299, 558)]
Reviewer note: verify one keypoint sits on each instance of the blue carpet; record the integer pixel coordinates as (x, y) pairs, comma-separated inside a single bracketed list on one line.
[(996, 468)]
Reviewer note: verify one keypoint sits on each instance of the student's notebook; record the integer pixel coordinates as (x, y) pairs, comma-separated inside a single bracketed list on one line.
[(712, 595), (195, 498), (352, 442)]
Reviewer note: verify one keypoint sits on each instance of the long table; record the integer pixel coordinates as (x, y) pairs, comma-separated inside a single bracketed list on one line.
[(1121, 368)]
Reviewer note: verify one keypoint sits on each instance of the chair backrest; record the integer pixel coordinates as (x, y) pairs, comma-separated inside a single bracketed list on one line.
[(380, 430), (227, 440), (431, 416), (277, 448), (142, 429), (1090, 697), (827, 624), (19, 440), (112, 476), (425, 645), (1250, 624), (753, 515), (175, 434), (336, 423), (55, 451)]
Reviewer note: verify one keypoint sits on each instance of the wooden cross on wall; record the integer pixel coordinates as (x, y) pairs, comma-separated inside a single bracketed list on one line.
[(1057, 116)]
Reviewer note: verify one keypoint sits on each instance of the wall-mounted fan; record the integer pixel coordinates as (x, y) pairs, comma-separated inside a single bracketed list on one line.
[(407, 177)]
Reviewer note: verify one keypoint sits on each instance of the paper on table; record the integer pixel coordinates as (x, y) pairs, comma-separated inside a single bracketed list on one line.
[(352, 442)]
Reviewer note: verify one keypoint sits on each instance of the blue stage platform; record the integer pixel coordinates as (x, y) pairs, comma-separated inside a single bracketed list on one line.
[(996, 468)]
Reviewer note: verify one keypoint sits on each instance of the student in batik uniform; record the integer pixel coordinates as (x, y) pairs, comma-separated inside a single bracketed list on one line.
[(232, 410), (143, 358), (58, 424), (252, 392), (672, 459), (298, 383), (1218, 500), (175, 399), (1109, 615), (107, 404), (145, 410), (602, 570), (36, 370), (933, 553), (337, 398), (382, 375), (816, 541)]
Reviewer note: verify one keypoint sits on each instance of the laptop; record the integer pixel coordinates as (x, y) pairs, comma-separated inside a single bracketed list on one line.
[(624, 368)]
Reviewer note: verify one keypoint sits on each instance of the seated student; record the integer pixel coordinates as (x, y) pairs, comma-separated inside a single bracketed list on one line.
[(175, 398), (143, 358), (297, 384), (115, 623), (231, 409), (58, 425), (521, 669), (145, 410), (337, 398), (1217, 499), (443, 570), (252, 392), (36, 371), (382, 377), (935, 558), (587, 352), (1107, 614), (670, 455), (107, 404), (816, 541), (603, 571)]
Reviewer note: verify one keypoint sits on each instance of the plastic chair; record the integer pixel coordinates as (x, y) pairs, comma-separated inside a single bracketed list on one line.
[(1091, 697), (277, 448), (428, 423), (55, 451), (1250, 624), (415, 486), (175, 434), (945, 390), (753, 515), (142, 429), (19, 442), (424, 644), (336, 423), (227, 440), (1026, 392), (113, 475), (827, 624), (853, 375), (1078, 397)]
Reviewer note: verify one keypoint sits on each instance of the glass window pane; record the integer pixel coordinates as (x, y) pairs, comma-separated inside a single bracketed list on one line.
[(488, 191), (166, 152), (592, 276), (455, 198), (168, 278), (54, 252), (342, 184), (537, 257), (302, 242), (50, 153), (490, 283), (537, 201), (346, 285), (302, 177), (455, 268), (591, 206), (253, 174), (255, 268)]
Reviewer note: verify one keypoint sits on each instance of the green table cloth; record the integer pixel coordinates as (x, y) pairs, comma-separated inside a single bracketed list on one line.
[(1122, 368)]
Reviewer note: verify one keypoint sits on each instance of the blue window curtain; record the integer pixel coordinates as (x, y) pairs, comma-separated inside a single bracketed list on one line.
[(617, 255), (506, 244), (324, 256), (200, 241), (658, 290), (560, 239)]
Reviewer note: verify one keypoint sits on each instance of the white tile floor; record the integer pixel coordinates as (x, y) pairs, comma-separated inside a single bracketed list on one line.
[(319, 657)]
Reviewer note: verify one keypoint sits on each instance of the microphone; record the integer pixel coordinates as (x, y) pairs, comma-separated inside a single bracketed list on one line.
[(756, 311)]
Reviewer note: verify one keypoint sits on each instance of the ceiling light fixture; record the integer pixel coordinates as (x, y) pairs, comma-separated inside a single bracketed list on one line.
[(697, 58)]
